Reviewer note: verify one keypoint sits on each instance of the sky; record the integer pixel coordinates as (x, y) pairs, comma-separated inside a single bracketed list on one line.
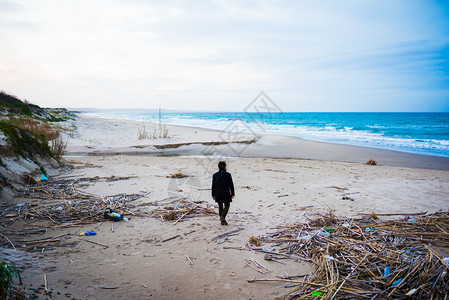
[(346, 55)]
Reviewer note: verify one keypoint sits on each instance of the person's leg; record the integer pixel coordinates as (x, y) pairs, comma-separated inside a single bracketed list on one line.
[(224, 213), (225, 209), (220, 212), (220, 208)]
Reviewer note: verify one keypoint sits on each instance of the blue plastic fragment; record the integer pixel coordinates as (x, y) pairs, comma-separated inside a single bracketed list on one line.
[(386, 271), (44, 178), (267, 250), (397, 282)]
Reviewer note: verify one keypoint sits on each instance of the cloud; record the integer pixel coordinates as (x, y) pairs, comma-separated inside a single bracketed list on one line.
[(308, 55)]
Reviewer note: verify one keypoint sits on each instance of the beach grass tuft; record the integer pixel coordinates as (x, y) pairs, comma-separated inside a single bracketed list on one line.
[(371, 162), (160, 131), (179, 174), (143, 135), (373, 216), (58, 147), (254, 241)]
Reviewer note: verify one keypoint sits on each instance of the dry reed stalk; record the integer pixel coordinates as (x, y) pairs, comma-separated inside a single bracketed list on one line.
[(179, 209), (417, 272)]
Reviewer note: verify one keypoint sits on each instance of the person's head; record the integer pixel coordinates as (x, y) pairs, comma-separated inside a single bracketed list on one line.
[(222, 165)]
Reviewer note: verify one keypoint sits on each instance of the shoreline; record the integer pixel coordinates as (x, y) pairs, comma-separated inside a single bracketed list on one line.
[(324, 127), (200, 141)]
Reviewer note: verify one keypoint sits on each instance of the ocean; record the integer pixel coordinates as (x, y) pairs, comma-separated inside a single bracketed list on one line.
[(422, 133)]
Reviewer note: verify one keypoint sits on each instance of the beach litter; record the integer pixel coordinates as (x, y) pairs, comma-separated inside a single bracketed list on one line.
[(59, 204), (397, 260), (87, 233), (179, 209), (112, 216)]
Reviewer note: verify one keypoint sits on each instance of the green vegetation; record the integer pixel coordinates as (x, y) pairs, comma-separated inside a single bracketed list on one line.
[(23, 142), (2, 163), (7, 273), (28, 130), (14, 104), (59, 115)]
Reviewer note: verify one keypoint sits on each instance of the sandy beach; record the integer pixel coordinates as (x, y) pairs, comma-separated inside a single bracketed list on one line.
[(279, 181), (332, 118)]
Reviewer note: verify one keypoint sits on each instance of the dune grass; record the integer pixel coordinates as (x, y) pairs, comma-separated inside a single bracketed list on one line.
[(371, 162)]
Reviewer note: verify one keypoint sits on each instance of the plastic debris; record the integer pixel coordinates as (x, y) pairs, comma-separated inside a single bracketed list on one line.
[(87, 233), (304, 237), (44, 178), (397, 282), (411, 292), (446, 261), (386, 271), (328, 257), (317, 294), (267, 250), (411, 220), (330, 230), (323, 233), (113, 216)]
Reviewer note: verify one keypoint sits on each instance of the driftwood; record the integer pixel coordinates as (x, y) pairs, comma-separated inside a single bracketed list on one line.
[(171, 238), (99, 244), (233, 232)]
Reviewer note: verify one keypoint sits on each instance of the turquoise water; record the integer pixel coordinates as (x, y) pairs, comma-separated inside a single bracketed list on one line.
[(423, 133)]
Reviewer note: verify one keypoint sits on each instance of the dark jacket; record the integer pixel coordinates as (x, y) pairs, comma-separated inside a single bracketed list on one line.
[(222, 187)]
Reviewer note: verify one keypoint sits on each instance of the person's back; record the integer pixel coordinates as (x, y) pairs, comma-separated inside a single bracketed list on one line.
[(222, 191)]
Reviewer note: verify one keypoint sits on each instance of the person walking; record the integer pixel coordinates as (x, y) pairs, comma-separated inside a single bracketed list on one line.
[(222, 191)]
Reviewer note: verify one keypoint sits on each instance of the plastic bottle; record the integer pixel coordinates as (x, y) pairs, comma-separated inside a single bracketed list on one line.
[(87, 233), (113, 216)]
